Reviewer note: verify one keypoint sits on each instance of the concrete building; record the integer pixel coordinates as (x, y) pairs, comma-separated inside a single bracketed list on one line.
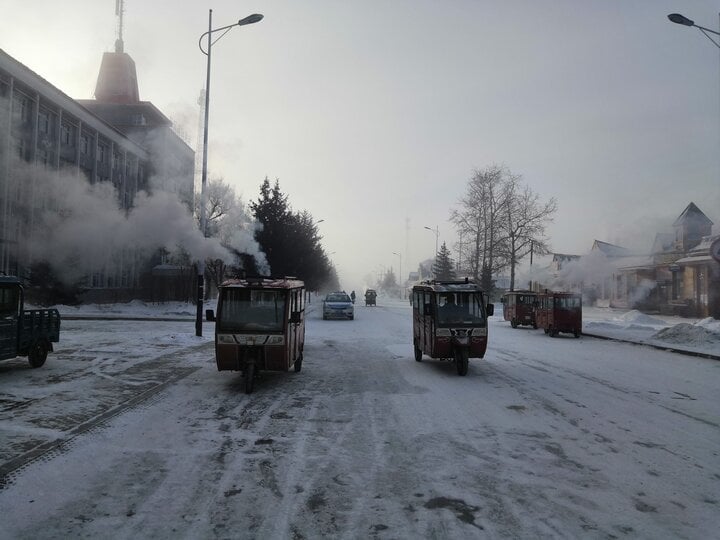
[(114, 138)]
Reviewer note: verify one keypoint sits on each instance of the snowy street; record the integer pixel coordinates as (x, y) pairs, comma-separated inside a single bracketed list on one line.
[(129, 431)]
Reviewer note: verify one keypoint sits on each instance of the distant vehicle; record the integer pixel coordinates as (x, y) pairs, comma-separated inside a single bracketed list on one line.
[(25, 332), (557, 312), (519, 308), (338, 305), (450, 321), (370, 297), (260, 325)]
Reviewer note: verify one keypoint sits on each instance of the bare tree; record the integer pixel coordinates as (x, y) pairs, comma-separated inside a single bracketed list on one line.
[(525, 219), (479, 219)]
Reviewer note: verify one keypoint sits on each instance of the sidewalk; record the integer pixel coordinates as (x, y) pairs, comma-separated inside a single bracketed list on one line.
[(697, 337)]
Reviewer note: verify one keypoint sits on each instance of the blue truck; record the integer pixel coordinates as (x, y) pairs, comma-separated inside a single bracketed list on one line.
[(25, 332)]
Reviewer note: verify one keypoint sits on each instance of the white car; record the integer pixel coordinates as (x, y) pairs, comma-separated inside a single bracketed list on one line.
[(338, 305)]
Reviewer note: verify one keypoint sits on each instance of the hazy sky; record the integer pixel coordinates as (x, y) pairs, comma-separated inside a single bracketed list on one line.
[(374, 114)]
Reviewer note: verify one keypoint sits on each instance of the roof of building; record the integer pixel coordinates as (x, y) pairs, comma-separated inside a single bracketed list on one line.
[(663, 242), (611, 250), (692, 213), (563, 256)]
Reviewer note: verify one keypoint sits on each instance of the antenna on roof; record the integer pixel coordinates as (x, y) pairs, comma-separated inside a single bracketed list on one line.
[(119, 9)]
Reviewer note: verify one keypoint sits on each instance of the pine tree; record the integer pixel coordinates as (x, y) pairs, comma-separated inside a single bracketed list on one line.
[(443, 266), (290, 240)]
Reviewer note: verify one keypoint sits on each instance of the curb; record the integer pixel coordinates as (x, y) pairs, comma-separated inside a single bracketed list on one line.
[(659, 347)]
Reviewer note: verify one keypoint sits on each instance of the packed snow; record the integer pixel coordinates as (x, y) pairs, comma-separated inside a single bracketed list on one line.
[(130, 431)]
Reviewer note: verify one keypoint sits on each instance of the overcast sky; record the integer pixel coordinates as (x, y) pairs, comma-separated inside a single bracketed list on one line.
[(373, 114)]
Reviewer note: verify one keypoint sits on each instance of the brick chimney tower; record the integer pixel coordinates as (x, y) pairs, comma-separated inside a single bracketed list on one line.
[(117, 81)]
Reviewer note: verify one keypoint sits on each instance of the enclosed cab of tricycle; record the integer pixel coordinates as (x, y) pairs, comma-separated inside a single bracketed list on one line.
[(260, 325), (450, 321), (557, 312), (519, 308)]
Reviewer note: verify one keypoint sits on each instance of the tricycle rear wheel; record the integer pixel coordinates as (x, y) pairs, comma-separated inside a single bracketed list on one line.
[(418, 354), (38, 353), (249, 377)]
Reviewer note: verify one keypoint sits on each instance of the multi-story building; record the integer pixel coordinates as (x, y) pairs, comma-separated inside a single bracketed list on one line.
[(115, 138)]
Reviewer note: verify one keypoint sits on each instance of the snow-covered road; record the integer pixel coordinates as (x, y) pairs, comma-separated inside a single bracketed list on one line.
[(544, 438)]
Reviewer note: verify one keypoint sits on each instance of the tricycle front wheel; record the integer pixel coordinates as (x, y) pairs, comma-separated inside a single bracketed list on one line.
[(461, 360)]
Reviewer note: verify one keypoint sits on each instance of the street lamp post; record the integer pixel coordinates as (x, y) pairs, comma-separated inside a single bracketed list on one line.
[(681, 19), (250, 19), (436, 230)]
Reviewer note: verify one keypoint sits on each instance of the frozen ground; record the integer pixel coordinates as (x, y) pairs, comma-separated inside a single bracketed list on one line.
[(129, 431)]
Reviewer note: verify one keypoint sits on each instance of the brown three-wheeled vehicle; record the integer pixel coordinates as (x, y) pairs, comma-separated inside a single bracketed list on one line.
[(450, 321), (557, 312), (260, 325), (519, 308)]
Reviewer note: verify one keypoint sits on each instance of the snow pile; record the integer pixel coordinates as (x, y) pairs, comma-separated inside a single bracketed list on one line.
[(635, 317), (703, 333), (632, 320)]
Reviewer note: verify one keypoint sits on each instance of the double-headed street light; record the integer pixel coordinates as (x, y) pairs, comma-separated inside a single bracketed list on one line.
[(681, 19), (250, 19)]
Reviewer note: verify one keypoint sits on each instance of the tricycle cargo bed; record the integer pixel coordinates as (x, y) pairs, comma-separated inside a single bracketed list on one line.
[(39, 323)]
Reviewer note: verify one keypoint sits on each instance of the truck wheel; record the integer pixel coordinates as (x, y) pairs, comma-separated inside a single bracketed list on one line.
[(418, 354), (298, 363), (513, 323), (461, 361), (38, 353), (576, 332)]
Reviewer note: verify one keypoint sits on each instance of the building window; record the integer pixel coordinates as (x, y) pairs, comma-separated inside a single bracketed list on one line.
[(44, 122), (85, 144), (67, 135)]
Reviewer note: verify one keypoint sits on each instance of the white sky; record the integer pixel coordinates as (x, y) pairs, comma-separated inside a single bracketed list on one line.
[(371, 113)]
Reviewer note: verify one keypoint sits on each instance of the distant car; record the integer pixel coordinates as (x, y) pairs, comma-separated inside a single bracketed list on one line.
[(338, 305)]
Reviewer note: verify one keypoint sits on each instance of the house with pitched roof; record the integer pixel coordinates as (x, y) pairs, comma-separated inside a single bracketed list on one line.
[(678, 276)]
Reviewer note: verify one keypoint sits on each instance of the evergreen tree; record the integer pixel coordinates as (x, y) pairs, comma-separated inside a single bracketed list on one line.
[(290, 240), (443, 267)]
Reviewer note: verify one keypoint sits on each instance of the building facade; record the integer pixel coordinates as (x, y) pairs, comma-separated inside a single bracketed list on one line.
[(115, 138)]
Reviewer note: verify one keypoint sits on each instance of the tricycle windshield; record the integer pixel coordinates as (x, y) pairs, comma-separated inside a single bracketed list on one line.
[(460, 308), (567, 302), (251, 310)]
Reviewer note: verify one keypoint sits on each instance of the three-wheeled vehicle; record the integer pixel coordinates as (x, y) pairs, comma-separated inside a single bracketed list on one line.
[(557, 312), (450, 321), (519, 308), (370, 296), (260, 325)]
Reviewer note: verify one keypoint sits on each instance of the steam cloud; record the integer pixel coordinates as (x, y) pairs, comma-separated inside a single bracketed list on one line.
[(78, 227)]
